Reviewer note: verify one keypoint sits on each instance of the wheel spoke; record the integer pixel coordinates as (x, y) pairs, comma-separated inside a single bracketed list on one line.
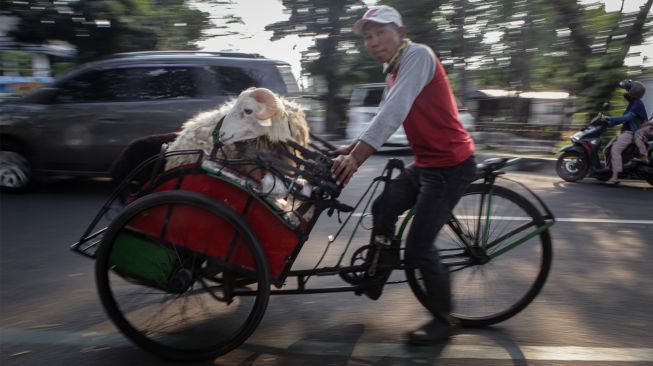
[(151, 270)]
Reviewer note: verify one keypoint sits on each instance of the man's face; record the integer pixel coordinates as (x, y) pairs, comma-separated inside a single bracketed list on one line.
[(382, 40)]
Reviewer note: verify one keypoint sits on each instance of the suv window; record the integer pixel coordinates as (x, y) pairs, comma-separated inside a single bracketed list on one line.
[(156, 83), (232, 80), (129, 84), (87, 87)]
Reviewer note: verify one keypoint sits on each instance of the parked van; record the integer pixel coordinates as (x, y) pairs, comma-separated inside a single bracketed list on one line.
[(364, 104)]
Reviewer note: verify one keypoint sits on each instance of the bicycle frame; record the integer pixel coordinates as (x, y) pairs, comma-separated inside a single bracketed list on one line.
[(473, 253), (477, 249)]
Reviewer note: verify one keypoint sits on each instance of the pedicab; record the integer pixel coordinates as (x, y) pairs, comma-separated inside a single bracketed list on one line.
[(185, 263)]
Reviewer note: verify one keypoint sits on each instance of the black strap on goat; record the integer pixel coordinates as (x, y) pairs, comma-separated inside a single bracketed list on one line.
[(215, 135)]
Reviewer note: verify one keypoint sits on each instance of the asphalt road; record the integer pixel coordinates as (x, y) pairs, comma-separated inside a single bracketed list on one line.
[(594, 309)]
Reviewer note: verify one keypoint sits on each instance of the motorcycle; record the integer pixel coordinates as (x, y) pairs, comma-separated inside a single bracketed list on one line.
[(582, 158)]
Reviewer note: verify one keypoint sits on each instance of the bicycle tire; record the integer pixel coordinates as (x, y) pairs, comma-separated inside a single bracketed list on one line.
[(513, 299), (186, 325)]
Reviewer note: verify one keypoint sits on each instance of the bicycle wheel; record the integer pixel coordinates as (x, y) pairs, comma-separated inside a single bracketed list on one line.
[(168, 271), (489, 286)]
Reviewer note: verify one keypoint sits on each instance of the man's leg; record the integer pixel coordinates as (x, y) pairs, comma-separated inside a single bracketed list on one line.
[(620, 144), (398, 197), (641, 137), (440, 190)]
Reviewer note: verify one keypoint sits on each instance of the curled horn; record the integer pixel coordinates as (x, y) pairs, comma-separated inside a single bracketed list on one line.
[(267, 98)]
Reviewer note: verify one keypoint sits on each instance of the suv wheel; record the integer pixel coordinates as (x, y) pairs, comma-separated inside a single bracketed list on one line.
[(15, 171)]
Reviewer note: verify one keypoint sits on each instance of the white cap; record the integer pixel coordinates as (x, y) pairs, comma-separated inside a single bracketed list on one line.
[(382, 14)]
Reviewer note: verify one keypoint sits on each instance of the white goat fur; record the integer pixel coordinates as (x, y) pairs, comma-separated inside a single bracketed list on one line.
[(289, 122)]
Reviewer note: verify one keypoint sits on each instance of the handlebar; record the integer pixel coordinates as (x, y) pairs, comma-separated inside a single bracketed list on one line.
[(324, 142), (313, 166), (599, 120)]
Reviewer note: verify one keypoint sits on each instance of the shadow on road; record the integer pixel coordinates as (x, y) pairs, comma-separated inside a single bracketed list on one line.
[(341, 345)]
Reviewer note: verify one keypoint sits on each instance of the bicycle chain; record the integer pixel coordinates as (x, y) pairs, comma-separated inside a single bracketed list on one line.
[(396, 282)]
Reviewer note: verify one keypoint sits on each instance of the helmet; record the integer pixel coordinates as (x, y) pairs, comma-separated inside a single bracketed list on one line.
[(636, 90)]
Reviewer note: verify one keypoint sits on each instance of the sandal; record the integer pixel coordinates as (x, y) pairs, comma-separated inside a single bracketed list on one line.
[(612, 183)]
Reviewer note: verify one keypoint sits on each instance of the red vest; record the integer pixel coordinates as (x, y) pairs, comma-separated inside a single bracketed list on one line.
[(434, 132)]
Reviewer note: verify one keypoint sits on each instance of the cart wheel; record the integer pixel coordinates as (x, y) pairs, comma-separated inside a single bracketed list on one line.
[(182, 276)]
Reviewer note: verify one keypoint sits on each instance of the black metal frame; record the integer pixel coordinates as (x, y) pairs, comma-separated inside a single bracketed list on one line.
[(327, 201)]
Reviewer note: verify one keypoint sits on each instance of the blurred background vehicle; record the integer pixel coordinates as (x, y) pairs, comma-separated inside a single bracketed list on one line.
[(79, 124), (583, 158), (364, 104)]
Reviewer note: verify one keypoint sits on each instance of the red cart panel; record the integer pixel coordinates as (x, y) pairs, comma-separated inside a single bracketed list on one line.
[(212, 235)]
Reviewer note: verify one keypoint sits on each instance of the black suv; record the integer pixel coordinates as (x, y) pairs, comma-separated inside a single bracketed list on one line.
[(79, 124)]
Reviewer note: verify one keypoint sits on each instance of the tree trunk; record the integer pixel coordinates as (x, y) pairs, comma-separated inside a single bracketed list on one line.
[(598, 88), (334, 114), (332, 61), (461, 52), (524, 65)]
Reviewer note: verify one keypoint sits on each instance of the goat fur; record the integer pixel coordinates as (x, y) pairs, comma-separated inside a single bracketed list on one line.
[(289, 122)]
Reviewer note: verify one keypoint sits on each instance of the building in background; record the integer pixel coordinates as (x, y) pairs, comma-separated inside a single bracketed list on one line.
[(520, 121)]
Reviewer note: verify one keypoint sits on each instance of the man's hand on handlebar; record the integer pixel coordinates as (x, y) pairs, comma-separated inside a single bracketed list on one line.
[(604, 121), (348, 160), (344, 167), (343, 150), (600, 120)]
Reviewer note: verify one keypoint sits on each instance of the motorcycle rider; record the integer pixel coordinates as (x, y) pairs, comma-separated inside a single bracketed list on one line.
[(631, 120), (642, 135)]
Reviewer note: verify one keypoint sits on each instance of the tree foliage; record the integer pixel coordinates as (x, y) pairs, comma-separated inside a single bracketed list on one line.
[(527, 45), (329, 22), (508, 44), (101, 27)]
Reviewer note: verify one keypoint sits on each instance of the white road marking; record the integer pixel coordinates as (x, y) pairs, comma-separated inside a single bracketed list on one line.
[(396, 350), (581, 220), (606, 221)]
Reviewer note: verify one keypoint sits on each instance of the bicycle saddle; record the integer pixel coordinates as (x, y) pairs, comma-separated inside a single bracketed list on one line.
[(490, 165)]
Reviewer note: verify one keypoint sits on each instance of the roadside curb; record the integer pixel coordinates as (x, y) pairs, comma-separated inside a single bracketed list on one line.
[(528, 164)]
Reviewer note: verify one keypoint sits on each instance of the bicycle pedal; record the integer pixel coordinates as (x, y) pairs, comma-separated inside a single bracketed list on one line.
[(351, 278), (373, 287)]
